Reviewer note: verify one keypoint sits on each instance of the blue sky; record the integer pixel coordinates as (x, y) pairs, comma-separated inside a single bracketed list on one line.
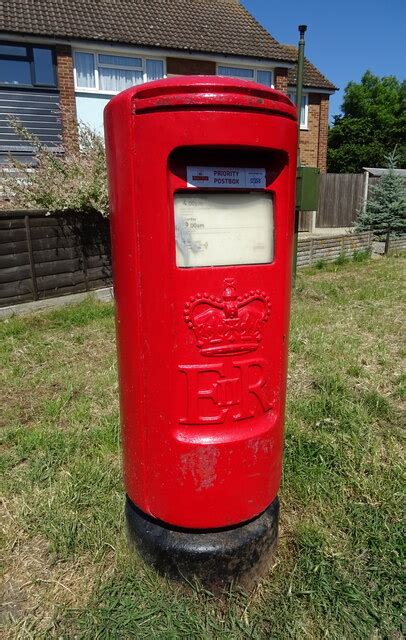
[(344, 38)]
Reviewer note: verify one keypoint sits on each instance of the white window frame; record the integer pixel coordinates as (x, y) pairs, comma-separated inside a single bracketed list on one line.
[(305, 97), (97, 64), (255, 70)]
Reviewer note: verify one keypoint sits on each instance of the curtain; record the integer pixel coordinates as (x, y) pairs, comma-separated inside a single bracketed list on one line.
[(154, 69), (292, 96), (84, 63), (303, 111), (115, 73), (118, 79), (119, 61), (236, 72), (264, 77)]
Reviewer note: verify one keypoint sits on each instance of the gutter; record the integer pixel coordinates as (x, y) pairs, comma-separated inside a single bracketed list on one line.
[(313, 89), (143, 49)]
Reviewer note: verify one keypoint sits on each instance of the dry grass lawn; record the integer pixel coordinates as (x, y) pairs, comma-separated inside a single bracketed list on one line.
[(338, 575)]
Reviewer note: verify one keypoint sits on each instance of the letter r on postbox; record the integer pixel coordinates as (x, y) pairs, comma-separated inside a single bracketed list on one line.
[(241, 395)]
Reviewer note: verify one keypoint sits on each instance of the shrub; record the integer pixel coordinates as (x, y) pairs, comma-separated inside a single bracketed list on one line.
[(341, 259), (361, 255), (73, 181)]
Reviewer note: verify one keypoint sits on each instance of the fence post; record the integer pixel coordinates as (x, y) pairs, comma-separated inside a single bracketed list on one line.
[(387, 240), (365, 191), (31, 257), (82, 254)]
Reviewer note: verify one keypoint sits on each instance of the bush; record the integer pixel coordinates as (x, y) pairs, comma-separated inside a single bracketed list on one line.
[(74, 181), (341, 259), (361, 255)]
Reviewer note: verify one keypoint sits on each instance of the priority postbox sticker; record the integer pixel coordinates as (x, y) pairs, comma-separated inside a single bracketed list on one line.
[(226, 177)]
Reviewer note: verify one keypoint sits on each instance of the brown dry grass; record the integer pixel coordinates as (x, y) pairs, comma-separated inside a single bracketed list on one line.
[(68, 572)]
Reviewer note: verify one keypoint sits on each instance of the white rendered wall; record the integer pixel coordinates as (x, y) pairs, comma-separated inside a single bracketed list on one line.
[(89, 109)]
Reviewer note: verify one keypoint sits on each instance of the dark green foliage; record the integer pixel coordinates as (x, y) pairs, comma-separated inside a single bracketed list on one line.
[(373, 121), (361, 256), (341, 259)]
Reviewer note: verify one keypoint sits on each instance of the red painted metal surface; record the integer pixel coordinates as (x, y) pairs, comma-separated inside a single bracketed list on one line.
[(202, 351)]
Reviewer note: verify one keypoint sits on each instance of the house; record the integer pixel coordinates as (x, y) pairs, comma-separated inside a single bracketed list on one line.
[(62, 60)]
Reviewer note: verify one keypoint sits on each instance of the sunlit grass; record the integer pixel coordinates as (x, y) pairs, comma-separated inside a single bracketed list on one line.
[(68, 571)]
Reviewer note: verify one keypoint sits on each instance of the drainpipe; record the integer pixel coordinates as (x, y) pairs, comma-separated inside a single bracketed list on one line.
[(299, 92), (299, 85)]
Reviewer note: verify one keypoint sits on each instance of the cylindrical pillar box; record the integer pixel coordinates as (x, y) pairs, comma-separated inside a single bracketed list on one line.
[(202, 191)]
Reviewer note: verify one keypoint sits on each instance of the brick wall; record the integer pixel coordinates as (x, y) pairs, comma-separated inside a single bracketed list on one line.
[(323, 133), (189, 67), (281, 79), (313, 141), (66, 87)]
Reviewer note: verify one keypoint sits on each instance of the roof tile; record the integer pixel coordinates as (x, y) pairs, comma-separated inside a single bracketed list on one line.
[(210, 26), (312, 77)]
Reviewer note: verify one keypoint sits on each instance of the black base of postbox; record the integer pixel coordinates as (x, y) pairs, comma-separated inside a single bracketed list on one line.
[(216, 557)]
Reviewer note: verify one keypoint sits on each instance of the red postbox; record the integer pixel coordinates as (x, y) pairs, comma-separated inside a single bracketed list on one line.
[(202, 189)]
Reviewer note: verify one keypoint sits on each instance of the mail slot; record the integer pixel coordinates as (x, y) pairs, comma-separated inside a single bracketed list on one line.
[(202, 193)]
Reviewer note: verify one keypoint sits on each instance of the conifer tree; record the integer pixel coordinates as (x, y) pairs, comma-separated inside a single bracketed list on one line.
[(386, 205)]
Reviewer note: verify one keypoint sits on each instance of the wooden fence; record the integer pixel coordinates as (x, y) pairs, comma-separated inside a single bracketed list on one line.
[(44, 256), (341, 197), (305, 220), (396, 243), (312, 250)]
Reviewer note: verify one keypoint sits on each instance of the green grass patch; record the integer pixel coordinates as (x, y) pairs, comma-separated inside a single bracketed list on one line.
[(338, 575)]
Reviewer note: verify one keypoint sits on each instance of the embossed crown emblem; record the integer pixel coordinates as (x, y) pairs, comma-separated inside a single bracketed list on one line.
[(228, 325)]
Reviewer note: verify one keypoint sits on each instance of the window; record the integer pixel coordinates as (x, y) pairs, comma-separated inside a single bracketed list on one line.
[(262, 76), (27, 66), (304, 108), (111, 73)]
